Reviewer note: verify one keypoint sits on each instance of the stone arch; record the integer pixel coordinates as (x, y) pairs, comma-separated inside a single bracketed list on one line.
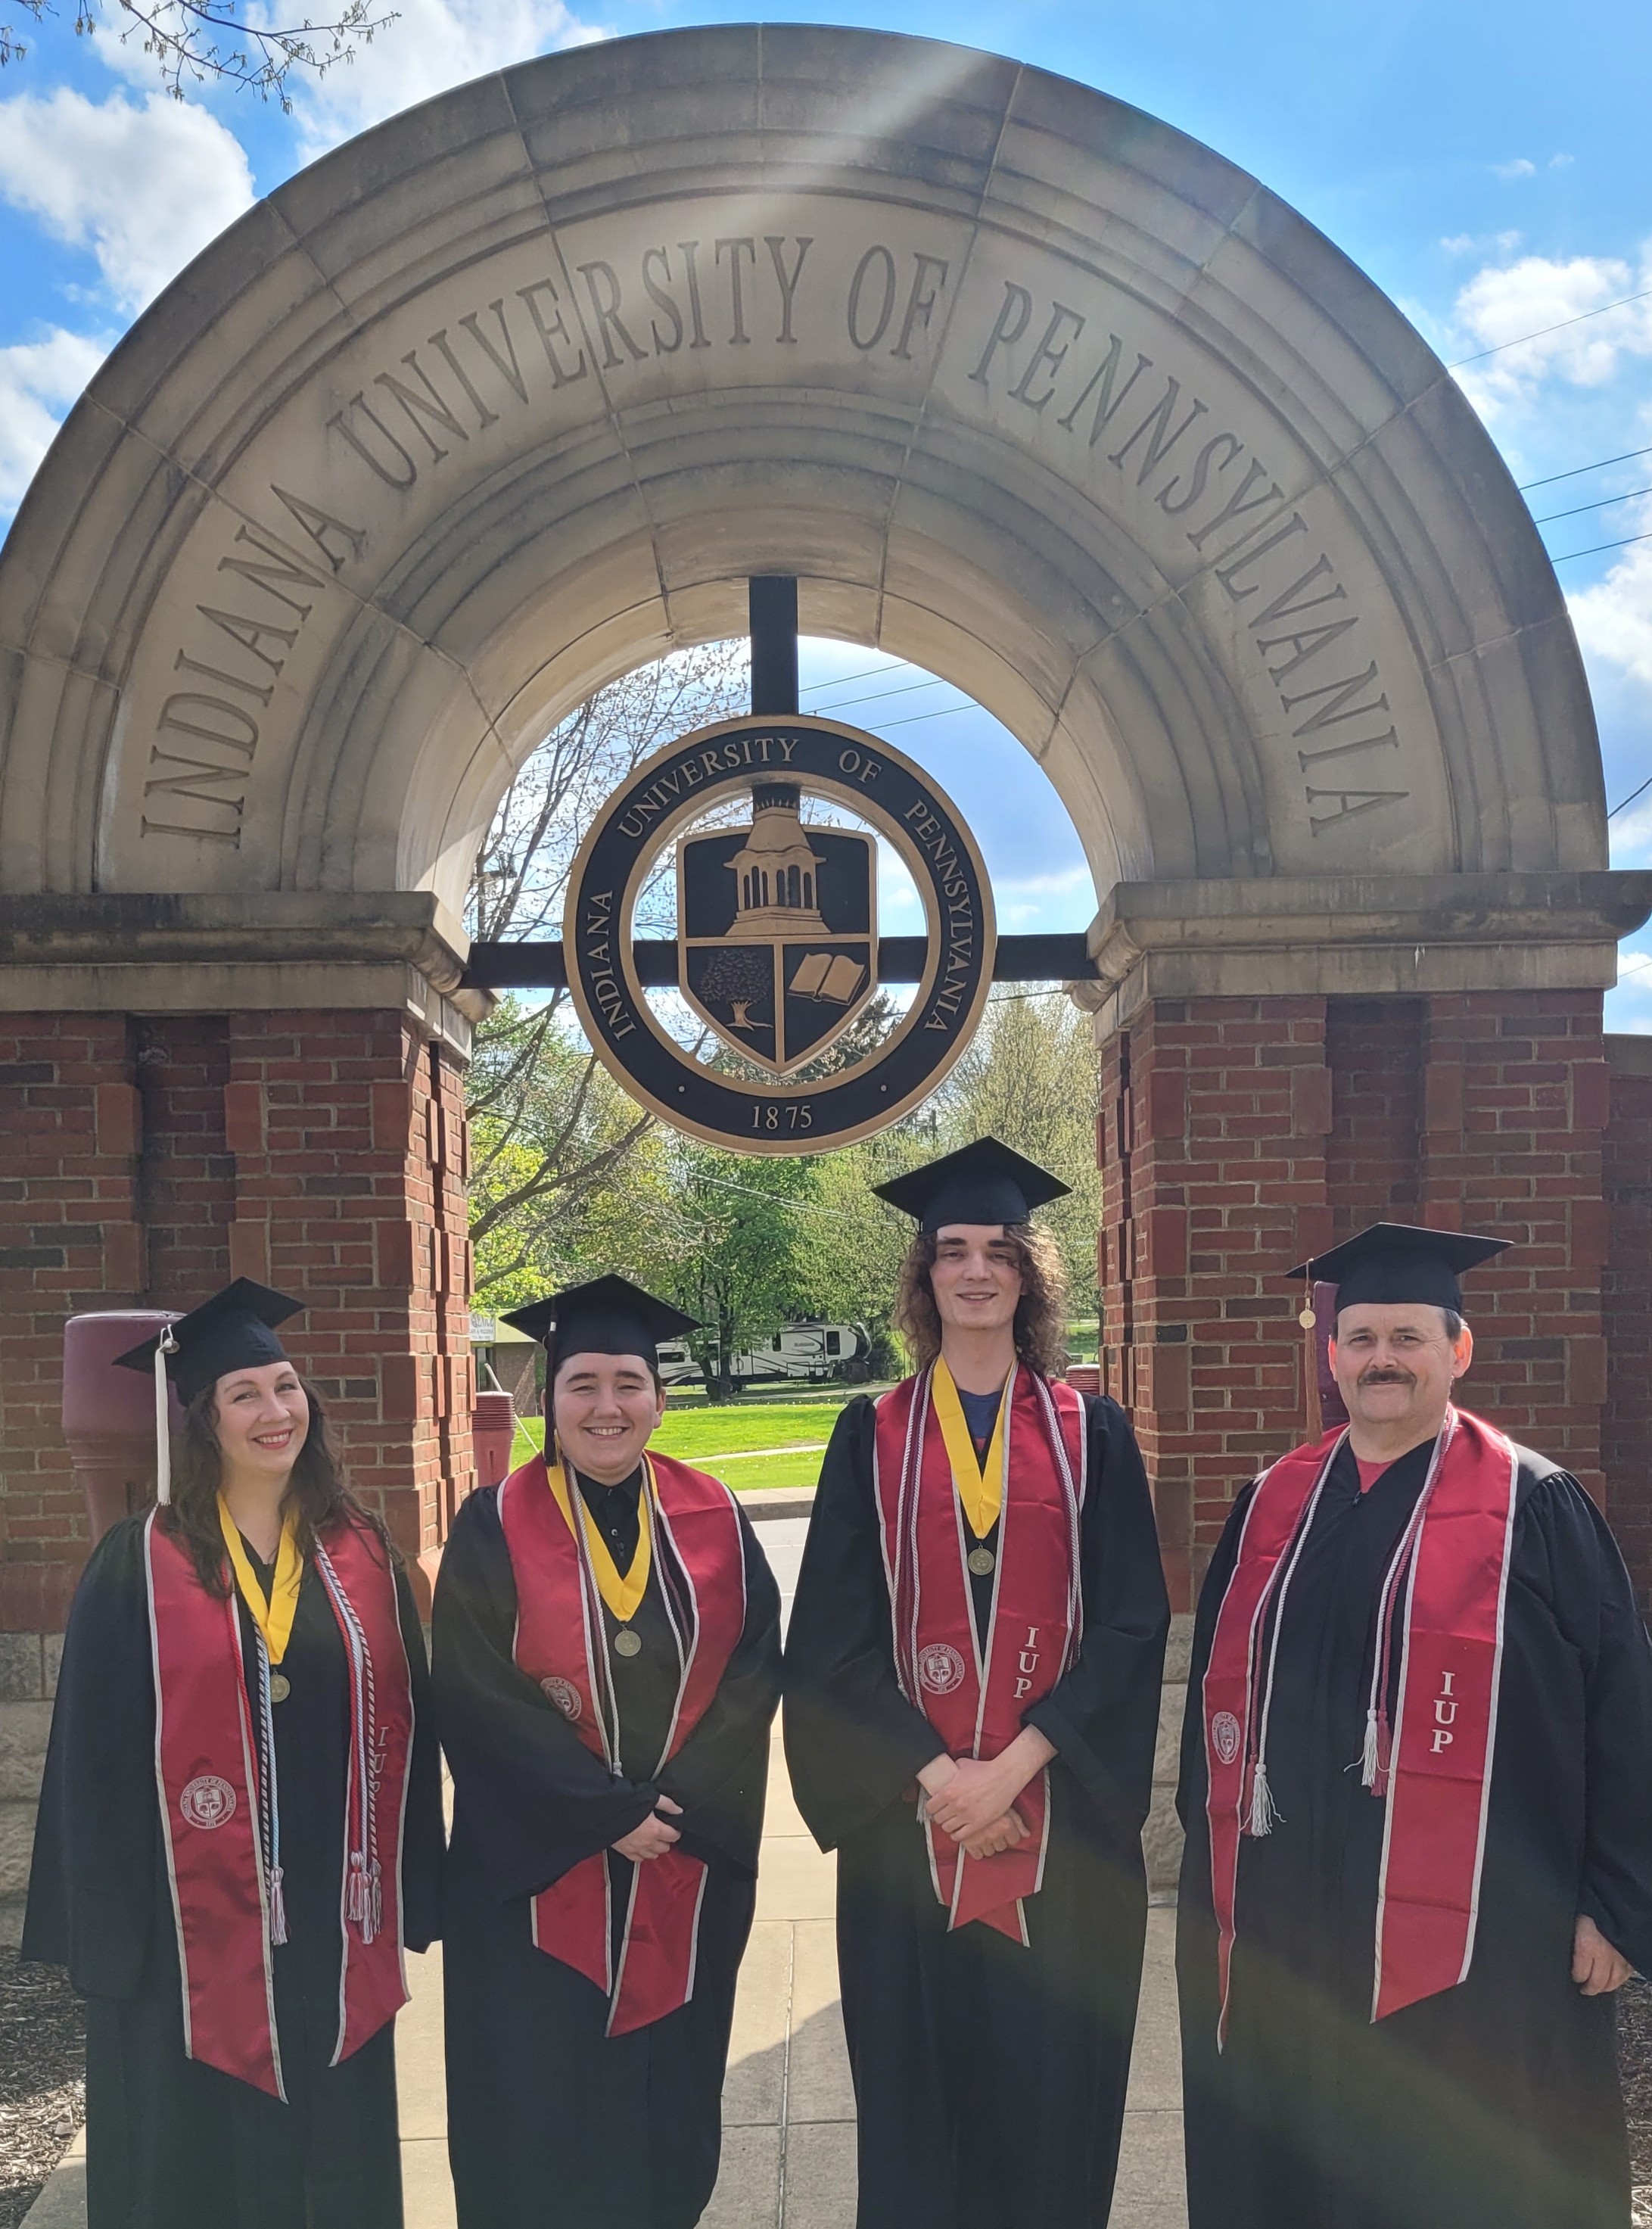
[(514, 391)]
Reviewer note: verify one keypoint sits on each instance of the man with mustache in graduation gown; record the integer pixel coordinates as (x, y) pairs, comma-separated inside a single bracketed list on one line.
[(607, 1666), (1417, 1787), (973, 1678)]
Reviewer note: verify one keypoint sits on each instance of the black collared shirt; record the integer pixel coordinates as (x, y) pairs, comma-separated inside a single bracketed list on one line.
[(617, 1511)]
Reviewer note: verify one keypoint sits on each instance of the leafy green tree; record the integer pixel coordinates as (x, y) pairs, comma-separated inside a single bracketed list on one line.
[(1030, 1078), (754, 1229), (563, 1165)]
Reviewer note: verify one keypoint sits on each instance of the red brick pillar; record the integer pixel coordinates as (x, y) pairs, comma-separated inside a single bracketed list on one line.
[(149, 1160), (1626, 1304), (1214, 1184), (1240, 1135), (1514, 1099), (348, 1134), (69, 1240)]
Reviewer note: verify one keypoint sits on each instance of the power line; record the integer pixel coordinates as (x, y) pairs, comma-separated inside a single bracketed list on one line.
[(878, 695), (912, 718), (1595, 548), (1581, 317), (1605, 501), (1631, 798), (1527, 486), (842, 680)]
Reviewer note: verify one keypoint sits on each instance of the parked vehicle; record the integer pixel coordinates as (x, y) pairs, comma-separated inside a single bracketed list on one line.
[(802, 1351)]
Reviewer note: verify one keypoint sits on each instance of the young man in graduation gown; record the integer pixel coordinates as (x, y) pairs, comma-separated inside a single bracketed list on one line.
[(973, 1675), (1417, 1787), (607, 1664), (241, 1826)]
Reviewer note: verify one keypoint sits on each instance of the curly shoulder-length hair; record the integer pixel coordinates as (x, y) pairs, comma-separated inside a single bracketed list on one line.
[(1040, 1314), (316, 1486)]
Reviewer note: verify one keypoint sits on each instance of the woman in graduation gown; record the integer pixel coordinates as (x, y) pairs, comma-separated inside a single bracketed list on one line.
[(973, 1675), (1396, 1962), (607, 1666), (241, 1825)]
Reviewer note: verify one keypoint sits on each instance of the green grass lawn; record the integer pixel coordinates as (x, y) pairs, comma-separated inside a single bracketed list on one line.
[(704, 1435)]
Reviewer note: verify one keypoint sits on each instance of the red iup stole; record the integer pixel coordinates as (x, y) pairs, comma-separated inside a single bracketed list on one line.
[(562, 1644), (207, 1775), (1444, 1593), (976, 1704)]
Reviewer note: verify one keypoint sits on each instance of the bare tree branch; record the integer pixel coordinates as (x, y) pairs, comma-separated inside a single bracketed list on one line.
[(194, 41)]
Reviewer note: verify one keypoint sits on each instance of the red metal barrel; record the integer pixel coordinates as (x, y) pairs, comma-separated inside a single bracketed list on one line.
[(109, 1413), (493, 1425)]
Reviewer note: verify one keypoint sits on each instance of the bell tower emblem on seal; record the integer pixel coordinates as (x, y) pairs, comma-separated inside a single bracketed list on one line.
[(779, 930)]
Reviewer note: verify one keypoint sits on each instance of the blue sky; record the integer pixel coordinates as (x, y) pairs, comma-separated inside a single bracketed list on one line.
[(1486, 163)]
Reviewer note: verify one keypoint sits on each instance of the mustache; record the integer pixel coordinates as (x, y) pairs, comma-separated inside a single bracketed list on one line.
[(1386, 1373)]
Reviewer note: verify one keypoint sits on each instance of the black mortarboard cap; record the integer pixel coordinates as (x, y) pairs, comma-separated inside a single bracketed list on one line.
[(983, 1182), (606, 1316), (1394, 1262), (235, 1329)]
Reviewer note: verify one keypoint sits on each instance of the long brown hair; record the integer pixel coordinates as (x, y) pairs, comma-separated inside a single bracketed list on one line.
[(1040, 1313), (316, 1485)]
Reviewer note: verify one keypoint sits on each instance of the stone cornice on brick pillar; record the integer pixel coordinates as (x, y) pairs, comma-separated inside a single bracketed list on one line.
[(1357, 935), (243, 952)]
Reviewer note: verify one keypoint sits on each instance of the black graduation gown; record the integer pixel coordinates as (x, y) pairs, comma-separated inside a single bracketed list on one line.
[(169, 2140), (989, 2078), (552, 2123), (1494, 2104)]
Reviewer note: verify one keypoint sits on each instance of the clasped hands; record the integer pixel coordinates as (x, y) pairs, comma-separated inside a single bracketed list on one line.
[(973, 1799), (653, 1838)]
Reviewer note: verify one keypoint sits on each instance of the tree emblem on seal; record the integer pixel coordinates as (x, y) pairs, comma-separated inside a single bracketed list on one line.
[(777, 944), (207, 1802)]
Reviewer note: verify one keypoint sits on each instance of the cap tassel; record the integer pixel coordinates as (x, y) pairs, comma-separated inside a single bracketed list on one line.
[(1263, 1813), (164, 1344)]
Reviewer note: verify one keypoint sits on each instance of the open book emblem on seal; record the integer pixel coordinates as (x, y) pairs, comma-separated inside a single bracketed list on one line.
[(207, 1802), (1224, 1736), (778, 929)]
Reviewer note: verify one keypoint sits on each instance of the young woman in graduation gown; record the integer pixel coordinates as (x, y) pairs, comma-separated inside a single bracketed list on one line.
[(607, 1666), (241, 1825), (972, 1674)]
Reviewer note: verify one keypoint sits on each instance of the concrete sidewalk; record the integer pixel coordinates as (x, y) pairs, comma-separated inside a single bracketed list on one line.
[(788, 2149)]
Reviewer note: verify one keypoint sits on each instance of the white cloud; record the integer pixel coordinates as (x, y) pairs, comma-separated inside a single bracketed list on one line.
[(431, 45), (38, 381), (1463, 243), (144, 185), (1614, 617), (1519, 168), (1561, 162), (1628, 1008), (1542, 298)]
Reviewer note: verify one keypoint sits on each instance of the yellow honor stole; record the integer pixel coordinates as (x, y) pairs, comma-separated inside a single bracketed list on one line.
[(272, 1618), (980, 1489), (622, 1595)]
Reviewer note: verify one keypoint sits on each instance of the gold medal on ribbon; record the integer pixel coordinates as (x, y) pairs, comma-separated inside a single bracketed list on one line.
[(281, 1687), (982, 1561), (626, 1643)]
